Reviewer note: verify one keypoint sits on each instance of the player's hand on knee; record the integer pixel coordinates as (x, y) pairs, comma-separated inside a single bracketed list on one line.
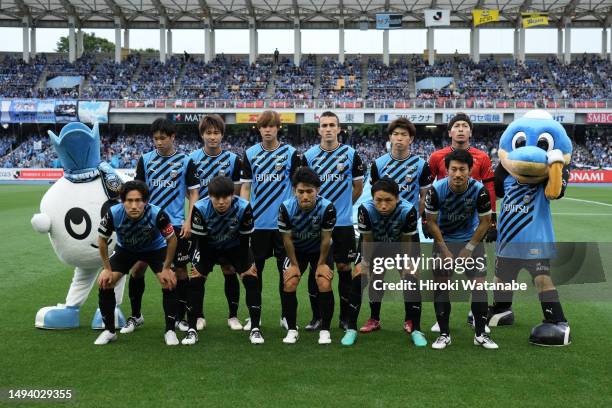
[(357, 270), (325, 272), (167, 278), (105, 280), (252, 271), (290, 273)]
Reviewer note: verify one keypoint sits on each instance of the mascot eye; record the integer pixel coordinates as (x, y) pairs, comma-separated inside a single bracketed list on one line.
[(546, 142), (77, 223), (519, 140)]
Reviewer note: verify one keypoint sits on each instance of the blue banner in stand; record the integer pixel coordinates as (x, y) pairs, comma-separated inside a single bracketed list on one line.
[(93, 111), (23, 110)]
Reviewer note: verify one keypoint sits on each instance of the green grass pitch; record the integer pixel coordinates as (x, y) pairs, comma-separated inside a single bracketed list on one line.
[(224, 369)]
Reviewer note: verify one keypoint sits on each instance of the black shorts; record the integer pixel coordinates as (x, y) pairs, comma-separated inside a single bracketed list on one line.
[(507, 269), (308, 259), (343, 245), (205, 265), (476, 269), (182, 256), (267, 243), (123, 260)]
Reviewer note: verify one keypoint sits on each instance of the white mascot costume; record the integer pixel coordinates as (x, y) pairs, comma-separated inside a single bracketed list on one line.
[(70, 213)]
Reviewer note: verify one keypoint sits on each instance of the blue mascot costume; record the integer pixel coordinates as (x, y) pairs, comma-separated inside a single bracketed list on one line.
[(534, 153), (70, 212)]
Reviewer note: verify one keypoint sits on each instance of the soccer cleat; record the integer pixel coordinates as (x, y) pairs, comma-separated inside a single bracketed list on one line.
[(132, 324), (200, 323), (191, 338), (170, 338), (234, 323), (181, 325), (441, 342), (313, 325), (485, 341), (291, 337), (408, 326), (105, 337), (418, 338), (324, 337), (370, 326), (256, 337), (503, 318), (435, 328), (350, 337)]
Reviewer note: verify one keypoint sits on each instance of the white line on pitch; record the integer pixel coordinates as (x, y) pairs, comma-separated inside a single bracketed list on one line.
[(588, 201)]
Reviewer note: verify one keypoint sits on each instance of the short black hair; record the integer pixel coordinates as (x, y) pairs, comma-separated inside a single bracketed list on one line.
[(460, 155), (402, 123), (458, 117), (330, 114), (221, 186), (134, 185), (305, 175), (387, 185), (163, 125)]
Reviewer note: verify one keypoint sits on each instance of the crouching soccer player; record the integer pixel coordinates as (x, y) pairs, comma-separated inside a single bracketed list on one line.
[(458, 212), (306, 222), (222, 223), (383, 219), (144, 233)]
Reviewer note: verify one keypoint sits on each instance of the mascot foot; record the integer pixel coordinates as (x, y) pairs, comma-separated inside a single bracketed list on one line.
[(57, 317), (501, 318), (98, 324), (551, 334)]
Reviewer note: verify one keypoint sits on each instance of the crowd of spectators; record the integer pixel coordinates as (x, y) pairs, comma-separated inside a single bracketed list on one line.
[(111, 80), (295, 82), (579, 79), (388, 82), (156, 79), (203, 80), (340, 81), (528, 80), (479, 80), (19, 79)]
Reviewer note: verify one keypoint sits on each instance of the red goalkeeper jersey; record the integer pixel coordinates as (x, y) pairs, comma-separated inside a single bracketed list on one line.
[(481, 170)]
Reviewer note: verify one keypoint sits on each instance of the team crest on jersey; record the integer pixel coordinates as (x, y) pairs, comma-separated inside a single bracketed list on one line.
[(279, 166), (234, 222), (174, 173), (221, 173), (409, 178), (113, 183), (341, 166), (342, 157), (527, 199), (412, 169), (468, 201), (315, 219), (197, 219)]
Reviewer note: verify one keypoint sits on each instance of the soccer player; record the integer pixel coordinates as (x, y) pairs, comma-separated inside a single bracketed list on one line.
[(341, 172), (387, 218), (458, 212), (212, 161), (306, 222), (526, 240), (169, 176), (144, 233), (412, 175), (223, 224), (266, 174), (460, 130)]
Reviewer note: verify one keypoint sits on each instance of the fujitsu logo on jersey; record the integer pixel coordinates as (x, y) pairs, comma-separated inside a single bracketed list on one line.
[(163, 183), (405, 187), (268, 177), (333, 177), (306, 235), (456, 217), (516, 208)]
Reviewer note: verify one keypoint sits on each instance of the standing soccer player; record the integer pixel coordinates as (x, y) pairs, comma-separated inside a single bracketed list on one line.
[(144, 234), (169, 176), (387, 218), (212, 161), (412, 175), (458, 215), (266, 174), (306, 222), (341, 172), (223, 224)]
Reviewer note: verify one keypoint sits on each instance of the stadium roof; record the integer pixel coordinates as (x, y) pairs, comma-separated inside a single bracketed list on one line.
[(280, 14)]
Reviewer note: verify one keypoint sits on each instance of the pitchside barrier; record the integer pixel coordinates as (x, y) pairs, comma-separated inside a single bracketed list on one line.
[(44, 176)]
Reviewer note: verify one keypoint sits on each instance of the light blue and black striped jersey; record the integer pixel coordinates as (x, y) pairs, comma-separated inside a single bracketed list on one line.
[(168, 179), (337, 170), (390, 227), (269, 172), (524, 227), (411, 174), (222, 230), (207, 167), (305, 226), (147, 233), (457, 212)]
